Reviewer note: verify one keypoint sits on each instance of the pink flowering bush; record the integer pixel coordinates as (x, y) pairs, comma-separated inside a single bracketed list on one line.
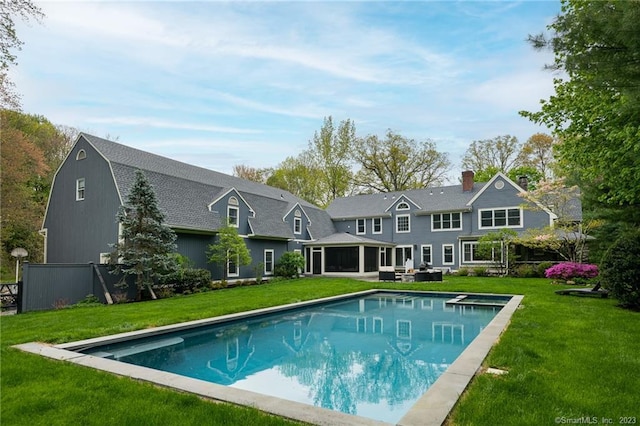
[(571, 270)]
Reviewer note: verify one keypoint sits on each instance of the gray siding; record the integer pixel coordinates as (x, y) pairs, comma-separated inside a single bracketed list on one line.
[(78, 231)]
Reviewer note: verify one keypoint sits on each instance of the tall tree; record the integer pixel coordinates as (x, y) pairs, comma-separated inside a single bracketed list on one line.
[(499, 154), (147, 244), (32, 150), (229, 250), (9, 41), (595, 111), (300, 176), (251, 173), (22, 208), (397, 163), (537, 152), (330, 151)]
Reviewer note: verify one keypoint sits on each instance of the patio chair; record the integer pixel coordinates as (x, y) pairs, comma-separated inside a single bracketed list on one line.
[(596, 290)]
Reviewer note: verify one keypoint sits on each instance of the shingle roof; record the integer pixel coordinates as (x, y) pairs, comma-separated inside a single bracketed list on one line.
[(184, 192), (445, 198)]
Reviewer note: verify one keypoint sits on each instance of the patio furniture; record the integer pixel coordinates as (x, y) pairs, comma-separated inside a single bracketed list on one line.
[(422, 276), (388, 273), (597, 290)]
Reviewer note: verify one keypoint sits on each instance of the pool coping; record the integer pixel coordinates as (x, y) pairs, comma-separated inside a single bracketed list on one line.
[(432, 408)]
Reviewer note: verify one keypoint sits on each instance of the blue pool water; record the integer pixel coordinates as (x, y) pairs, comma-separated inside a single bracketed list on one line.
[(371, 356)]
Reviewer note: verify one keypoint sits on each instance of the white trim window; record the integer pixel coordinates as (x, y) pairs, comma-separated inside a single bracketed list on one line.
[(446, 221), (80, 189), (506, 217), (232, 267), (376, 225), (233, 212), (403, 223), (361, 226), (297, 222), (402, 206), (425, 254), (268, 262), (448, 257), (470, 253)]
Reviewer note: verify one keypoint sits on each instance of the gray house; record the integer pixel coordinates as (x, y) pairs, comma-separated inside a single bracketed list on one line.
[(439, 227), (94, 180), (354, 236)]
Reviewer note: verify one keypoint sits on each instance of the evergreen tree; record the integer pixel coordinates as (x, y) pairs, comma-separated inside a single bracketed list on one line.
[(146, 245)]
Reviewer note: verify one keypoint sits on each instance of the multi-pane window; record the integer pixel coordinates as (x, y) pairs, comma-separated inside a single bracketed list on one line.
[(501, 218), (233, 211), (471, 254), (80, 189), (361, 227), (268, 262), (447, 254), (403, 223), (426, 255), (442, 221), (377, 225)]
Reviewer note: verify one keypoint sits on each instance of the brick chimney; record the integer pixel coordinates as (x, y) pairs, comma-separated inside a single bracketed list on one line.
[(467, 180)]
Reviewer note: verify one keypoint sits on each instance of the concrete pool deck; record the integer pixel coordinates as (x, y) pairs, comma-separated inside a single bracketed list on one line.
[(432, 408)]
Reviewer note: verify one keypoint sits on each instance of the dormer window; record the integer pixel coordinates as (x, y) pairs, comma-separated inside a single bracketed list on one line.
[(297, 222), (402, 206), (81, 155), (233, 211)]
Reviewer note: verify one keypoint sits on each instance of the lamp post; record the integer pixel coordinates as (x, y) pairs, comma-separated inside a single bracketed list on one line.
[(18, 253)]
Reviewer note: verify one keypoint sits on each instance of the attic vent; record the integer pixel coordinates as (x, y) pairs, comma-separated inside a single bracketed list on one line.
[(402, 206), (298, 214), (233, 201), (81, 155)]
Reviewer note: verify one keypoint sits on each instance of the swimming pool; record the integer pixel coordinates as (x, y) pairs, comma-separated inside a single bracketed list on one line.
[(373, 354)]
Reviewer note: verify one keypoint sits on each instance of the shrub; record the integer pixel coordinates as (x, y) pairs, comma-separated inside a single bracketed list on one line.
[(289, 265), (525, 271), (89, 300), (186, 281), (480, 271), (542, 268), (571, 270), (621, 270), (463, 272)]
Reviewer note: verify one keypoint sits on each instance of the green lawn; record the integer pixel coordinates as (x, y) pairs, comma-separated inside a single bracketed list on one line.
[(568, 358)]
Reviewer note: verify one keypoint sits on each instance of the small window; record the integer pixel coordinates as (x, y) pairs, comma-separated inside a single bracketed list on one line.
[(361, 226), (377, 225), (80, 184), (402, 206), (297, 225), (232, 267), (81, 155), (232, 215), (426, 255), (447, 254), (268, 262)]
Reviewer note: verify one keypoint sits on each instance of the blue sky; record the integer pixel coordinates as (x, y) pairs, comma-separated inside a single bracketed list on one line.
[(217, 84)]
